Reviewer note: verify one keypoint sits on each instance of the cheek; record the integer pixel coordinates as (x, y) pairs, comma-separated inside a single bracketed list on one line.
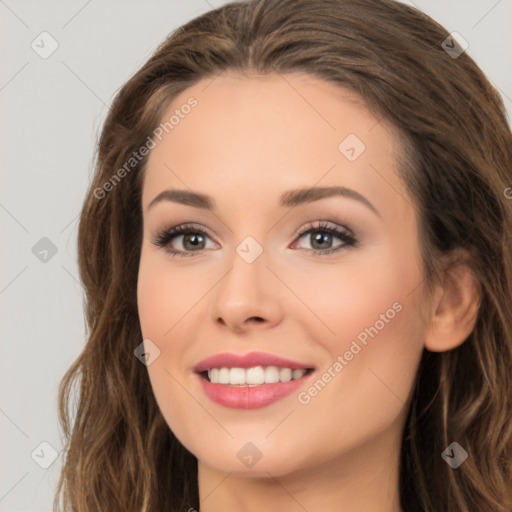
[(348, 300), (154, 306), (164, 294), (373, 355), (373, 338), (159, 311), (163, 297)]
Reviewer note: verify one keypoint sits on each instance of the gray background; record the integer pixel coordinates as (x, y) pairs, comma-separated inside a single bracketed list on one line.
[(52, 111)]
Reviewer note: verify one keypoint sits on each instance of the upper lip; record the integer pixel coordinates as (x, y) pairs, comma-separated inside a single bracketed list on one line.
[(230, 360)]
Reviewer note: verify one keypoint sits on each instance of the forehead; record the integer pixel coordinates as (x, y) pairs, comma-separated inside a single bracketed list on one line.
[(248, 136)]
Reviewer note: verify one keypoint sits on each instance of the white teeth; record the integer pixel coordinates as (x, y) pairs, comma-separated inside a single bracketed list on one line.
[(254, 376), (236, 376), (297, 374), (223, 376), (285, 374), (271, 375), (213, 374)]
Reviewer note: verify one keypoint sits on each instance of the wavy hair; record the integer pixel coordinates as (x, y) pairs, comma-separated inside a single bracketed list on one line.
[(119, 452)]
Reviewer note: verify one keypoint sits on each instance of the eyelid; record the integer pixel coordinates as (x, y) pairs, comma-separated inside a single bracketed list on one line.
[(323, 224)]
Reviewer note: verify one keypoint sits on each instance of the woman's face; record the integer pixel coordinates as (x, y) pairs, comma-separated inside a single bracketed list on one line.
[(253, 282)]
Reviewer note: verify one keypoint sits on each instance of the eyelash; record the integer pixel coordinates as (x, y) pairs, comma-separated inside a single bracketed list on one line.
[(166, 236)]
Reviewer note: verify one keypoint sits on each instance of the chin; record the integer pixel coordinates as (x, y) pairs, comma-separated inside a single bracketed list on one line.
[(256, 459)]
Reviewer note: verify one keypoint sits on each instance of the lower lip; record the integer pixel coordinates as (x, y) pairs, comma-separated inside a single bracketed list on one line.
[(250, 397)]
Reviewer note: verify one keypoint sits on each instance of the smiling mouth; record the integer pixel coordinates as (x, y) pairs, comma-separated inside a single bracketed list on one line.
[(254, 376)]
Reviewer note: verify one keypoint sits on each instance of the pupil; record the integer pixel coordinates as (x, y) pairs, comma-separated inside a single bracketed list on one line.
[(187, 238), (319, 237)]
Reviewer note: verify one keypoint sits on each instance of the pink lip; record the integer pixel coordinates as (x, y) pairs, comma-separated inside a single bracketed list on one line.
[(249, 360), (249, 397)]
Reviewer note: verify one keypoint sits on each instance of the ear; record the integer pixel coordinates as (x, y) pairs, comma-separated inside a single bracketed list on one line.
[(454, 308)]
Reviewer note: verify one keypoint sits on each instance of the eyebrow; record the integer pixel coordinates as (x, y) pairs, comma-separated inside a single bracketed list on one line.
[(289, 199)]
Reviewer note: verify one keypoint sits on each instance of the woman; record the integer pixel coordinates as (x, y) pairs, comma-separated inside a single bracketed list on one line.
[(233, 363)]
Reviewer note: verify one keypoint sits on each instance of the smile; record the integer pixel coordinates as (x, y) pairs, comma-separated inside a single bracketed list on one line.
[(253, 376), (251, 380)]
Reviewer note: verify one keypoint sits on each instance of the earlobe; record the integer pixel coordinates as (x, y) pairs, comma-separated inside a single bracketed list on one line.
[(454, 309)]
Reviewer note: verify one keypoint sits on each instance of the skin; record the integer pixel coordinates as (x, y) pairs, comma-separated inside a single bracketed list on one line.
[(248, 140)]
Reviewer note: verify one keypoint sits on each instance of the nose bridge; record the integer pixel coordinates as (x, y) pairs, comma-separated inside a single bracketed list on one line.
[(246, 279)]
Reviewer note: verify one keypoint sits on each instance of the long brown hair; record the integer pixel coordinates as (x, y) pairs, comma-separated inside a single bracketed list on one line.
[(119, 452)]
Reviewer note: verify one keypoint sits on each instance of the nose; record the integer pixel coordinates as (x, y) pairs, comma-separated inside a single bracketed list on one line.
[(248, 296)]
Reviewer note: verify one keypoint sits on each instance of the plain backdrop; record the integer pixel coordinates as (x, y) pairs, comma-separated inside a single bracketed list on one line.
[(52, 111)]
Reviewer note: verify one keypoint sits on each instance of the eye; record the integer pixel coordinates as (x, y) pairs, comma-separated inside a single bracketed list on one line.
[(323, 237), (194, 237)]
